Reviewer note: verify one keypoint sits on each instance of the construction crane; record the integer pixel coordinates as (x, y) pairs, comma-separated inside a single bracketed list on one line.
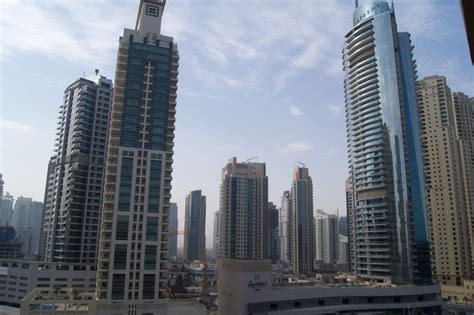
[(302, 164), (251, 159), (204, 293)]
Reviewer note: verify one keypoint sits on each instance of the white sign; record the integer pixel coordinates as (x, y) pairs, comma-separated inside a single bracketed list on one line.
[(4, 271)]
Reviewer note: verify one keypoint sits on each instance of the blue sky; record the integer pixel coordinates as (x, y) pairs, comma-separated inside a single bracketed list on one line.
[(257, 78)]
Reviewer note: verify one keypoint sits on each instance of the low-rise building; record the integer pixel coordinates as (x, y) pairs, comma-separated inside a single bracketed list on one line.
[(459, 294), (18, 278), (69, 301), (245, 287)]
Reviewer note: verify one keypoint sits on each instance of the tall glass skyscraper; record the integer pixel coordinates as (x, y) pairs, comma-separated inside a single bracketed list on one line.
[(384, 148), (301, 222), (135, 221), (195, 226)]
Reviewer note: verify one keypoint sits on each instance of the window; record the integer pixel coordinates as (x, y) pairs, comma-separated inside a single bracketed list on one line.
[(297, 304), (150, 257), (152, 229), (121, 232), (120, 256), (345, 301), (118, 286), (148, 286)]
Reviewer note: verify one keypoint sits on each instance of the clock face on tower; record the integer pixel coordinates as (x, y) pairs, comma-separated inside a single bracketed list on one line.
[(152, 10)]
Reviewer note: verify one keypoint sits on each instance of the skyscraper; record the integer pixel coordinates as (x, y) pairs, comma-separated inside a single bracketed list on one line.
[(302, 222), (244, 207), (284, 227), (343, 255), (464, 109), (6, 209), (384, 146), (135, 218), (195, 226), (173, 238), (70, 225), (448, 164), (216, 234), (273, 234), (327, 237)]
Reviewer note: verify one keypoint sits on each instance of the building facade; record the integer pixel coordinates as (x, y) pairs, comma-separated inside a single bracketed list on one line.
[(443, 120), (173, 238), (327, 237), (343, 256), (283, 230), (70, 223), (195, 226), (273, 234), (6, 209), (301, 222), (464, 109), (244, 207), (384, 148), (135, 216), (216, 234), (18, 278)]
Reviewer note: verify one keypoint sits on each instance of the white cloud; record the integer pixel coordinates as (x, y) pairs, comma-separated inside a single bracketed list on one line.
[(295, 111), (297, 147), (335, 109), (14, 126)]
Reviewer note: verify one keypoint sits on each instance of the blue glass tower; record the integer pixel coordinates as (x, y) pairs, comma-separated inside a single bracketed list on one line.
[(389, 211), (195, 226)]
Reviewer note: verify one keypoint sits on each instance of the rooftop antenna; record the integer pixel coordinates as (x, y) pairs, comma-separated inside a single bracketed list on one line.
[(253, 158), (96, 71), (356, 3), (302, 164)]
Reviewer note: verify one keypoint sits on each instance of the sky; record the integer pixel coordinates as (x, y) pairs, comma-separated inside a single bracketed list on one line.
[(256, 79)]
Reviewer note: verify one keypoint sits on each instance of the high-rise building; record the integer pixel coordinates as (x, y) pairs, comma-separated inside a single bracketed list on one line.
[(6, 209), (327, 237), (216, 234), (384, 147), (195, 226), (133, 247), (283, 230), (301, 222), (464, 109), (448, 160), (343, 256), (21, 216), (273, 234), (70, 229), (26, 219), (244, 207), (173, 238)]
